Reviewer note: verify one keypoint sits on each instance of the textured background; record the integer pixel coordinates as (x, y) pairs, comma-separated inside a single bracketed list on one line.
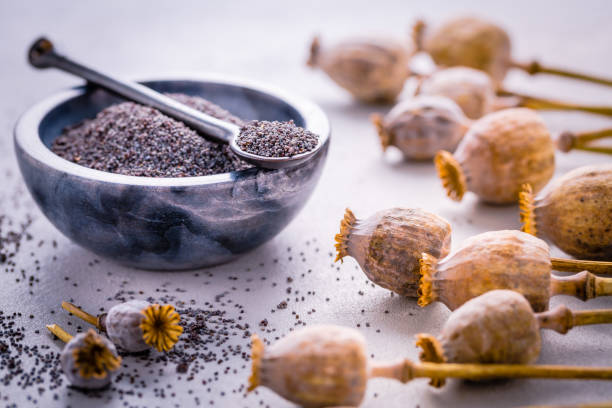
[(267, 41)]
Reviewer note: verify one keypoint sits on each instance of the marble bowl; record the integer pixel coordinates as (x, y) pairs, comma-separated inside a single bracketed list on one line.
[(168, 223)]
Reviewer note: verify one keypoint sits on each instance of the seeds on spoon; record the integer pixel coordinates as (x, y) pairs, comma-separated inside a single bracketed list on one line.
[(371, 70), (88, 359), (136, 325), (421, 126), (499, 153), (505, 259), (574, 212), (276, 139), (388, 245)]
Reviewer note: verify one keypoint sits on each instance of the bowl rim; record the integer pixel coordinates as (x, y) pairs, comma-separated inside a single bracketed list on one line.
[(27, 137)]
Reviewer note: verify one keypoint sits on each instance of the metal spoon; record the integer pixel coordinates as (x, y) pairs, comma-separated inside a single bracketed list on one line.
[(43, 55)]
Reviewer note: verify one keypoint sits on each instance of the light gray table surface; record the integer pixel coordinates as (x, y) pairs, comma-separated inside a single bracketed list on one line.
[(267, 41)]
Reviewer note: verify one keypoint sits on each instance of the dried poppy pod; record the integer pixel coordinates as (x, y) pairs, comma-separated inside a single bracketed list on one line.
[(136, 325), (421, 126), (88, 359), (499, 327), (476, 93), (500, 152), (471, 89), (574, 212), (388, 245), (480, 44), (317, 366), (324, 366), (371, 70), (505, 259)]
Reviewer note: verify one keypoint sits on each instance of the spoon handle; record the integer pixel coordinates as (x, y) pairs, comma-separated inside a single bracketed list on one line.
[(43, 55)]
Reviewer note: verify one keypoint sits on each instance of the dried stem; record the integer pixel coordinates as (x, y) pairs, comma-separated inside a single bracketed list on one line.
[(315, 50), (91, 319), (583, 285), (534, 67), (60, 333), (405, 371), (561, 319), (550, 104), (580, 141), (595, 149), (578, 265), (418, 34), (595, 316)]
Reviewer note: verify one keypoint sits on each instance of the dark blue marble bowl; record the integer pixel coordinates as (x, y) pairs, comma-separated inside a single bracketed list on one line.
[(168, 223)]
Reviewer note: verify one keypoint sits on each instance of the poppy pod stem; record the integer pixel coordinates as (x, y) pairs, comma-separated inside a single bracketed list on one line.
[(578, 265), (383, 135), (418, 34), (315, 48), (60, 333), (451, 174), (527, 210), (561, 319), (583, 285), (405, 371), (534, 67), (346, 226), (531, 102), (580, 141), (91, 319)]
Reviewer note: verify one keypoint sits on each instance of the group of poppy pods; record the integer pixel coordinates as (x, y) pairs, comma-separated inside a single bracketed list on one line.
[(499, 283), (500, 141), (89, 360)]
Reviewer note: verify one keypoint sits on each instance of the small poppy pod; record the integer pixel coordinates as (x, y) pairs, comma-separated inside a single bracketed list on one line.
[(507, 259), (470, 42), (89, 360), (319, 366), (421, 126), (371, 70), (136, 325), (471, 89), (389, 244), (574, 212), (499, 153)]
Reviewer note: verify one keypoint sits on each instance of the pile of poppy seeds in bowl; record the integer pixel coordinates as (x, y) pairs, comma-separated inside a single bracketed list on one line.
[(137, 140)]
